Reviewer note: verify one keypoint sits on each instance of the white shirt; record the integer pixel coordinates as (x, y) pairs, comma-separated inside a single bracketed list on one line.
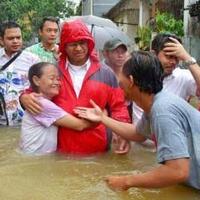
[(180, 83), (77, 74), (13, 80)]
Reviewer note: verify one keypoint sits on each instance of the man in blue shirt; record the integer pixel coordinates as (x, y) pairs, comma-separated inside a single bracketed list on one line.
[(174, 122)]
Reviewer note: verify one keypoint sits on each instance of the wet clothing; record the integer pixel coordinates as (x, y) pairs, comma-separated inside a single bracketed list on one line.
[(38, 134), (177, 132), (99, 84), (13, 80)]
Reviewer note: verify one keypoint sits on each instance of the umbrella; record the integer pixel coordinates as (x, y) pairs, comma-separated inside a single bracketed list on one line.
[(103, 34), (97, 21), (102, 30)]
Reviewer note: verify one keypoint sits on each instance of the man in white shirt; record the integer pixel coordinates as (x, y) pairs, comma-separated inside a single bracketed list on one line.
[(13, 78), (182, 82)]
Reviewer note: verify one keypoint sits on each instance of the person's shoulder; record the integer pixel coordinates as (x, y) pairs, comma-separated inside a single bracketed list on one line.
[(44, 101), (182, 73), (2, 51), (163, 100), (107, 69), (34, 46), (30, 55)]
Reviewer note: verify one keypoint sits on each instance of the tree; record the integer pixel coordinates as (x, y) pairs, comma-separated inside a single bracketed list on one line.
[(29, 13)]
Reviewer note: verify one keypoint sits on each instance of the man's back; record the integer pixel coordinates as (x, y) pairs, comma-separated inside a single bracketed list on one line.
[(177, 129)]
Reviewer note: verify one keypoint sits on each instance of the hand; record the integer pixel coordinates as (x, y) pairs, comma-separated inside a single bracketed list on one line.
[(117, 182), (93, 114), (120, 145), (30, 103), (175, 48), (56, 52)]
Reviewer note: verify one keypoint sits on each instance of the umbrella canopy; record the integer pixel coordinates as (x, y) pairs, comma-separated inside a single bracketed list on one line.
[(102, 30), (103, 34), (97, 21)]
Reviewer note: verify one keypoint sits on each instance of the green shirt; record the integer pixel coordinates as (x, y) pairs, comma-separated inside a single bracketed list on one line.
[(42, 53)]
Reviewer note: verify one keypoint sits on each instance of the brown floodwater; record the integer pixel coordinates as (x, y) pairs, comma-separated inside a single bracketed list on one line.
[(61, 177)]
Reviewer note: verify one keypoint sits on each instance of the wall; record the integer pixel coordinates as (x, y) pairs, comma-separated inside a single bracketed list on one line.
[(192, 32)]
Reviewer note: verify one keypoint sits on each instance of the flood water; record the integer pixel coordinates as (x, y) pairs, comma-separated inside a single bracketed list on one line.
[(59, 177)]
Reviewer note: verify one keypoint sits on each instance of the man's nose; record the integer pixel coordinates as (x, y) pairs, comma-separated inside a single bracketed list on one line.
[(15, 39), (78, 47)]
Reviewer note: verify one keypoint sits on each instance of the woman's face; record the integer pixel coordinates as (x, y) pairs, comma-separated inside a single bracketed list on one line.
[(49, 82)]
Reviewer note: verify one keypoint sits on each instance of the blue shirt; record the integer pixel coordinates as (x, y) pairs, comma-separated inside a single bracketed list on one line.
[(176, 125)]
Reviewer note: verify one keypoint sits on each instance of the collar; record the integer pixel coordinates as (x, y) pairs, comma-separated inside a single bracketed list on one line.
[(3, 53), (85, 66), (172, 75), (48, 50)]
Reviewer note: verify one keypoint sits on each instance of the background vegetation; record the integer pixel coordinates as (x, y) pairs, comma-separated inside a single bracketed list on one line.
[(29, 13), (163, 22)]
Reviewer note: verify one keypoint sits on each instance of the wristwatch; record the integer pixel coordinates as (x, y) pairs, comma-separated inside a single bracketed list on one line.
[(187, 63)]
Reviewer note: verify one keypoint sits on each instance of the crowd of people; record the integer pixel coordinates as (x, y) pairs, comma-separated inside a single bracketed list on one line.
[(66, 100)]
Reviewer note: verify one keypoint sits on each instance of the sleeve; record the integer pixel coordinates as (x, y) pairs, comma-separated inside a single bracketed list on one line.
[(116, 101), (190, 84), (171, 138), (51, 113)]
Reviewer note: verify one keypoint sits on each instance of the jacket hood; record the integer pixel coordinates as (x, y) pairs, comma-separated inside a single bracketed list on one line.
[(73, 31)]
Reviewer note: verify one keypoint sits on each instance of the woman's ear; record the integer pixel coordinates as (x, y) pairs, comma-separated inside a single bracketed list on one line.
[(36, 80)]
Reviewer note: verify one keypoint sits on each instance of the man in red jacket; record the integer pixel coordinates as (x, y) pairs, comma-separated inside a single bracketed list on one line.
[(82, 79)]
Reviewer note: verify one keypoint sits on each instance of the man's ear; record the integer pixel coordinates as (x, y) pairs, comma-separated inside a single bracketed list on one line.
[(153, 51), (40, 32), (132, 82), (1, 41)]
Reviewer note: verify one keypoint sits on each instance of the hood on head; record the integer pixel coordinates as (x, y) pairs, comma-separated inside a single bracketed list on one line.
[(74, 31)]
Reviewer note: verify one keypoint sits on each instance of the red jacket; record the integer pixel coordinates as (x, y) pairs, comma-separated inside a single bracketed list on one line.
[(99, 84)]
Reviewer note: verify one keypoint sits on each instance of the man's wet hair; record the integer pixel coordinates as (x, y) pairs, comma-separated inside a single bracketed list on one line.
[(7, 25), (49, 18), (146, 70), (159, 41)]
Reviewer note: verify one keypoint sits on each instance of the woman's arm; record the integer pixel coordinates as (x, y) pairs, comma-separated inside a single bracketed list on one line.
[(69, 121)]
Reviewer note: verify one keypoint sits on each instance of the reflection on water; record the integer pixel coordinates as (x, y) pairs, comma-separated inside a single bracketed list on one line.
[(58, 177)]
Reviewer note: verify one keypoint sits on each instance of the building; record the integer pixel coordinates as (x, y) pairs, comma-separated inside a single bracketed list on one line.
[(97, 7), (129, 14)]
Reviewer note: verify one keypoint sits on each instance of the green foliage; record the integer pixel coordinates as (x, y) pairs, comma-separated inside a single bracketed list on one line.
[(29, 13), (165, 22), (143, 37)]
